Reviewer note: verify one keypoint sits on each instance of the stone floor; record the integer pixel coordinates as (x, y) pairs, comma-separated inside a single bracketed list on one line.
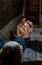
[(34, 52), (36, 34), (30, 54)]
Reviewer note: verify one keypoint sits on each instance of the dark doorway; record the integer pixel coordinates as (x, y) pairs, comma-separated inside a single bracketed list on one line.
[(9, 9), (32, 11)]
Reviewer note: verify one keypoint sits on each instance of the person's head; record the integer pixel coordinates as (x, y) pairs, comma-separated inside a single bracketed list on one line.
[(12, 55), (23, 19)]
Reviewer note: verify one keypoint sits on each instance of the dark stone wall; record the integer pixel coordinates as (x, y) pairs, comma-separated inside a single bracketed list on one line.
[(32, 11), (41, 6), (8, 10)]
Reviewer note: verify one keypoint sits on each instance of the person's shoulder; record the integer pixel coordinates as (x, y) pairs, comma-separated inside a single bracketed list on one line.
[(19, 25), (25, 24)]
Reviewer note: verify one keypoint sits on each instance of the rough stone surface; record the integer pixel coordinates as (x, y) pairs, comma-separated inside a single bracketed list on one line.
[(5, 32)]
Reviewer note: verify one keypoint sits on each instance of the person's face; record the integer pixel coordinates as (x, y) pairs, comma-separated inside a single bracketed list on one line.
[(23, 20)]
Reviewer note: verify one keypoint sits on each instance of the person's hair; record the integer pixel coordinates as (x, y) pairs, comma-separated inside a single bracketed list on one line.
[(22, 17), (11, 56)]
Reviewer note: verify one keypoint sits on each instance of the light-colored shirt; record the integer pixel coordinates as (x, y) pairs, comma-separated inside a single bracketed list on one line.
[(23, 31)]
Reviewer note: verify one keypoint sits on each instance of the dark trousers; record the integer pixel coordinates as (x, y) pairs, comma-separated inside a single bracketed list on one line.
[(27, 42), (21, 41)]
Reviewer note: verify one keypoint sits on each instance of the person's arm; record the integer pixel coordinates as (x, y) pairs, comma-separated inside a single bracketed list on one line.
[(22, 30), (18, 34), (28, 27), (31, 24)]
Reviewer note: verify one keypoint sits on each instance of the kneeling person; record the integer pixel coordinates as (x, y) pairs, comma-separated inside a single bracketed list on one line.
[(12, 53)]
